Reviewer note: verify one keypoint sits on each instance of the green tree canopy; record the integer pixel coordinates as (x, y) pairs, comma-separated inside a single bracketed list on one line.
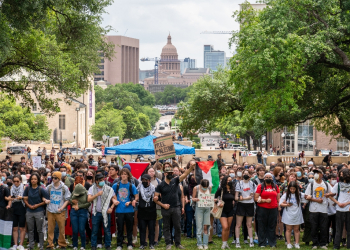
[(293, 64), (54, 46), (171, 94), (134, 127), (109, 121), (152, 113), (19, 124)]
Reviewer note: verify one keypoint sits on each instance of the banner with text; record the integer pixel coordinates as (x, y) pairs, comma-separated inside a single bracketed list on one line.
[(164, 147), (206, 200)]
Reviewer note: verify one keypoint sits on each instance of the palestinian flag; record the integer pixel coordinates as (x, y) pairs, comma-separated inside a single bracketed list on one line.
[(5, 228), (137, 168), (208, 170)]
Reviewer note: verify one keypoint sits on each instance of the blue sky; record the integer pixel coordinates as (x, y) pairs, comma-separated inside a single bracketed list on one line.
[(150, 21)]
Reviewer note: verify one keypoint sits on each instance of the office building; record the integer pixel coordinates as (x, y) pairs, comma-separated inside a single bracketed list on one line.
[(124, 66), (187, 63), (213, 58)]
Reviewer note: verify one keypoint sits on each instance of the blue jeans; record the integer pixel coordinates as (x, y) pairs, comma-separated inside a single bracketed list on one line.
[(202, 219), (29, 156), (96, 220), (264, 161), (78, 219), (190, 220), (218, 228)]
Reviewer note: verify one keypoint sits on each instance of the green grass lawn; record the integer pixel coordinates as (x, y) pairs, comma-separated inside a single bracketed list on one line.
[(191, 244)]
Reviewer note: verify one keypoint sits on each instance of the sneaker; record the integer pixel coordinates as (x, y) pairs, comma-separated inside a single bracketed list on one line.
[(246, 242), (151, 247), (180, 247), (75, 248), (168, 247), (324, 247), (142, 247), (13, 248), (256, 241), (289, 246), (238, 245), (130, 248), (205, 247), (233, 242), (20, 248), (251, 244), (119, 248), (99, 246), (113, 235), (223, 246), (156, 244), (200, 247), (314, 247), (296, 245), (134, 239)]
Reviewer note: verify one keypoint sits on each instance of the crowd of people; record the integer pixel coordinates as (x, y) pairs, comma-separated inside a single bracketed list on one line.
[(68, 201)]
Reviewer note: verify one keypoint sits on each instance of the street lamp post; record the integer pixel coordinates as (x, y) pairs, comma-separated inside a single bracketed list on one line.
[(74, 135), (77, 109)]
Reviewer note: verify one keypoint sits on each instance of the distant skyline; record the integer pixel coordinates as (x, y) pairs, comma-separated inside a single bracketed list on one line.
[(151, 21)]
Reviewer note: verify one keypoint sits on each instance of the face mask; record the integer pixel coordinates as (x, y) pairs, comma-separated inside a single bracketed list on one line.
[(232, 175), (3, 178), (299, 174), (9, 184), (239, 174), (333, 182), (281, 174), (305, 172), (101, 183), (49, 177), (268, 181), (145, 184), (64, 174), (311, 180), (316, 176), (230, 184), (246, 177), (89, 177), (48, 170), (170, 176), (204, 189)]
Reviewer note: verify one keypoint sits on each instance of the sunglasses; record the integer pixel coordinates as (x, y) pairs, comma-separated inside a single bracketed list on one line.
[(55, 178)]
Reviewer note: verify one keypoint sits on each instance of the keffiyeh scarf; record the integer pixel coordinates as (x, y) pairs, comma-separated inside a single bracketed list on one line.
[(105, 200), (344, 187), (17, 191), (147, 193)]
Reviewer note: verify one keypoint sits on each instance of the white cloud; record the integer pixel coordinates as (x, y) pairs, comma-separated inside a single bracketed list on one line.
[(150, 21)]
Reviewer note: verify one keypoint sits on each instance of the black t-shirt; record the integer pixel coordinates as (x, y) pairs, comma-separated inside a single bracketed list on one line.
[(148, 213), (4, 192), (34, 198), (186, 192), (304, 180), (228, 198), (169, 192)]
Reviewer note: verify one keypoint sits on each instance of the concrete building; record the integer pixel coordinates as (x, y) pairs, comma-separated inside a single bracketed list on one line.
[(187, 63), (124, 67), (213, 58), (169, 72)]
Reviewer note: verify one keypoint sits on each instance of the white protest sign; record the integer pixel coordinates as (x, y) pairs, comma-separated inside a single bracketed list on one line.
[(206, 200), (37, 162)]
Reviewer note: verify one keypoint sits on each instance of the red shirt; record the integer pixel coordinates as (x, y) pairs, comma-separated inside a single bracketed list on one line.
[(269, 192)]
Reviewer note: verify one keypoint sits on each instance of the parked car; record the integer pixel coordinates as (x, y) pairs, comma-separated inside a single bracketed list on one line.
[(15, 149), (340, 153), (325, 152), (93, 151), (166, 124), (253, 153), (161, 128)]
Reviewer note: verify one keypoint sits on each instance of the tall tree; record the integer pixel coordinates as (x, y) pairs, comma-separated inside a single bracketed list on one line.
[(293, 63), (49, 47)]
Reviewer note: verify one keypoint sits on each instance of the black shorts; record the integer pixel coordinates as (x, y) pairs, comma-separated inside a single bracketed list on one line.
[(245, 209), (19, 220), (226, 215)]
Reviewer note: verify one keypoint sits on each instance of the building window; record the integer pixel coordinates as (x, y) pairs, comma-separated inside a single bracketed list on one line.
[(62, 122), (305, 136), (343, 145), (34, 108)]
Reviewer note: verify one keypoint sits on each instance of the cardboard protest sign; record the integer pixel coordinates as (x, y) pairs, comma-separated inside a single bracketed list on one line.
[(164, 147), (205, 200), (36, 162)]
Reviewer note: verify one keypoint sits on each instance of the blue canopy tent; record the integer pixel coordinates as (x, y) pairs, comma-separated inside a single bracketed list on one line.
[(144, 146)]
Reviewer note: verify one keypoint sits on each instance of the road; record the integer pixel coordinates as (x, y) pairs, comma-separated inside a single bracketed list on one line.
[(166, 118)]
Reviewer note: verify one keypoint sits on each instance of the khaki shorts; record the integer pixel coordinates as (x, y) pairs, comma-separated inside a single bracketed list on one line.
[(159, 214)]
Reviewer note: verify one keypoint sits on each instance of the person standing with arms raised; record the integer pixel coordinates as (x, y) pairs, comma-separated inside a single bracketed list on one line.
[(170, 203)]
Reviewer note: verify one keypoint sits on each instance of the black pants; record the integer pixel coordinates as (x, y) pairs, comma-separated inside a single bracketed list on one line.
[(143, 225), (267, 219), (341, 218), (172, 214), (128, 219), (319, 223), (331, 221), (307, 224), (256, 219)]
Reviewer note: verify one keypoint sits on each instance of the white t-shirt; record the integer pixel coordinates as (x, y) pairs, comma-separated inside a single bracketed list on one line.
[(319, 191), (293, 215), (98, 204), (246, 189), (343, 197)]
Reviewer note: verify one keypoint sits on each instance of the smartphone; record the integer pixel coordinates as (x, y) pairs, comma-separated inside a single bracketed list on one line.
[(13, 196)]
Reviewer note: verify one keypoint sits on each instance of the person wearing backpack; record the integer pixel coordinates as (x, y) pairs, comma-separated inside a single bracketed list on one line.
[(245, 206), (342, 193), (32, 197), (267, 196), (318, 191), (57, 202), (127, 196)]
